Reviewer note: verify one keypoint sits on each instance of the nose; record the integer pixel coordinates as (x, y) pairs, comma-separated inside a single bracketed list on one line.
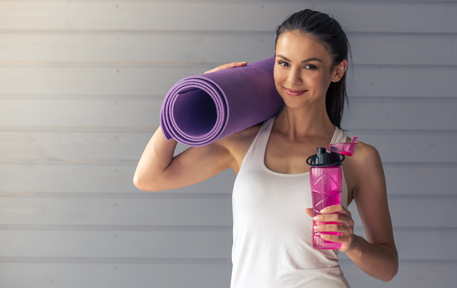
[(294, 77)]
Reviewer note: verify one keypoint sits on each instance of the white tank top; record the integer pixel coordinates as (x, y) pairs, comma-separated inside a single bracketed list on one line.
[(272, 234)]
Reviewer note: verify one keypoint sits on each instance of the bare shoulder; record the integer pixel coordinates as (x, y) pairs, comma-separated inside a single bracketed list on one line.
[(366, 152), (367, 165)]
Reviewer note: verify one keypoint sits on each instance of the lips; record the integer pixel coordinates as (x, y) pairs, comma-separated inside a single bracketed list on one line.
[(294, 92)]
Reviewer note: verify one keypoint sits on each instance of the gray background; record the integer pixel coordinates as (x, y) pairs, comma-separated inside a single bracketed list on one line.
[(81, 84)]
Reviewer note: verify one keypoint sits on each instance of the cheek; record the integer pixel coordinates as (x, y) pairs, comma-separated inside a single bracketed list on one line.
[(279, 76), (315, 80)]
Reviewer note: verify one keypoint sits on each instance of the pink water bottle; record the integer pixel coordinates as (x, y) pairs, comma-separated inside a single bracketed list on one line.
[(326, 177)]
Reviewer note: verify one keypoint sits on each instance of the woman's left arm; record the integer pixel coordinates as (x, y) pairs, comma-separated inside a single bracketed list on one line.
[(377, 256)]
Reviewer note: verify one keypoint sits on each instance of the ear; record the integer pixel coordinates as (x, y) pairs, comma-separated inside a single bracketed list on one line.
[(338, 71)]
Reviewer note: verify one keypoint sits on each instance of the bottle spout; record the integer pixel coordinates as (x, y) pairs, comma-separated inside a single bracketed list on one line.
[(345, 148)]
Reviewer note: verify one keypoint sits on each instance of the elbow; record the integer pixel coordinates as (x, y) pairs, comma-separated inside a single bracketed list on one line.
[(392, 272), (138, 183), (390, 277), (143, 185)]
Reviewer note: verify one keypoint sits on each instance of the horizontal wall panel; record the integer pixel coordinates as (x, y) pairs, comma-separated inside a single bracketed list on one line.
[(134, 48), (421, 179), (121, 80), (189, 211), (402, 49), (90, 178), (403, 114), (420, 244), (408, 211), (94, 80), (409, 146), (83, 112), (171, 244), (194, 47), (366, 17), (410, 274), (393, 81), (61, 145), (428, 244), (116, 275), (112, 211), (402, 179), (197, 275), (376, 113)]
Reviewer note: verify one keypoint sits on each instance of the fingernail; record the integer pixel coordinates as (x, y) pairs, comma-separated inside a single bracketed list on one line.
[(315, 218), (323, 210)]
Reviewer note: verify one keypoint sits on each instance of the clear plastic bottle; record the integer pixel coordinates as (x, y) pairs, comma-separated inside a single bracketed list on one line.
[(326, 179)]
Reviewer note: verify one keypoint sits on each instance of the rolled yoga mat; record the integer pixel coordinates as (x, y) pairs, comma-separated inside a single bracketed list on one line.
[(199, 110)]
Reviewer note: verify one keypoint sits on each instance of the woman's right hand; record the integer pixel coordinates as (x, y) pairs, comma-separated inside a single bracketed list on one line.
[(226, 66)]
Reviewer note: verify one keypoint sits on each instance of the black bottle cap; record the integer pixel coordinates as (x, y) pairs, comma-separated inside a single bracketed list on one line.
[(323, 158)]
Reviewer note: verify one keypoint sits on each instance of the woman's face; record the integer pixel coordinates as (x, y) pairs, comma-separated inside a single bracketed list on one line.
[(302, 70)]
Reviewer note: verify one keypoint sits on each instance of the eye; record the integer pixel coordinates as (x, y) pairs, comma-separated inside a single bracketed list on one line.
[(283, 64), (310, 67)]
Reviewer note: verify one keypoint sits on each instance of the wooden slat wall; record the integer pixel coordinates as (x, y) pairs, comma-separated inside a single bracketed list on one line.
[(81, 84)]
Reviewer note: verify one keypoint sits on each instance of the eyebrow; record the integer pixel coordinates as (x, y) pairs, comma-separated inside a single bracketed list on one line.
[(306, 60)]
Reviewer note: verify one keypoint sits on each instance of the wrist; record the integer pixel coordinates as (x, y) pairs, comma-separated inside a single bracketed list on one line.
[(355, 250)]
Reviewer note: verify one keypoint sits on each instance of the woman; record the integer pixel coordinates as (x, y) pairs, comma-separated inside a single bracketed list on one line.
[(272, 234)]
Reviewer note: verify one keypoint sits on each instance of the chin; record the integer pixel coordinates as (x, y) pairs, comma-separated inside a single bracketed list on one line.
[(295, 104)]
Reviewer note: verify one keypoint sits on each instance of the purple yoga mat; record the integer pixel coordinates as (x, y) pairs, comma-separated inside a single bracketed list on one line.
[(199, 110)]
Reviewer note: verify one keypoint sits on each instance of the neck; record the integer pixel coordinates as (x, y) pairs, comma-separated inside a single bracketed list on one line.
[(306, 121)]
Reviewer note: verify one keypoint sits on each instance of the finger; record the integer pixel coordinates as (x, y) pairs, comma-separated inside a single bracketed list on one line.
[(309, 211), (237, 64), (223, 66), (231, 65), (335, 208), (340, 218), (332, 209), (335, 238), (212, 70), (331, 228), (334, 218), (227, 66), (340, 229)]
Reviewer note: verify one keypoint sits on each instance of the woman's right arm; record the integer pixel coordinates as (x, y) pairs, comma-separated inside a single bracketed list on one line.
[(158, 170)]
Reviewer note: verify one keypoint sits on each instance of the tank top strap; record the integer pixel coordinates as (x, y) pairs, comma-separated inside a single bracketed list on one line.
[(341, 136), (260, 141), (338, 136)]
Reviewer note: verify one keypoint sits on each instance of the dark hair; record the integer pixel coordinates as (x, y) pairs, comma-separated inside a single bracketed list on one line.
[(328, 31)]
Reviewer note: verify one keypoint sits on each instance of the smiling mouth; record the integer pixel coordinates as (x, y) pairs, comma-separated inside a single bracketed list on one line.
[(294, 92)]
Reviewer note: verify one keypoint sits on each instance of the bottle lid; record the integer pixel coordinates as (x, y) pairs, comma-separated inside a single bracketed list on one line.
[(345, 148), (323, 158)]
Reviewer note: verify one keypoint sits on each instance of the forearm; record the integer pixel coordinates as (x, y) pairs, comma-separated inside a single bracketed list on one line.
[(378, 261), (156, 157)]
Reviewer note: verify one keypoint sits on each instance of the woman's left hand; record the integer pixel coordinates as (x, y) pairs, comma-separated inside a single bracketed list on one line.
[(346, 226)]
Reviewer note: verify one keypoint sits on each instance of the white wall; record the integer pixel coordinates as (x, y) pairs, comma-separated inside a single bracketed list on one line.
[(81, 84)]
